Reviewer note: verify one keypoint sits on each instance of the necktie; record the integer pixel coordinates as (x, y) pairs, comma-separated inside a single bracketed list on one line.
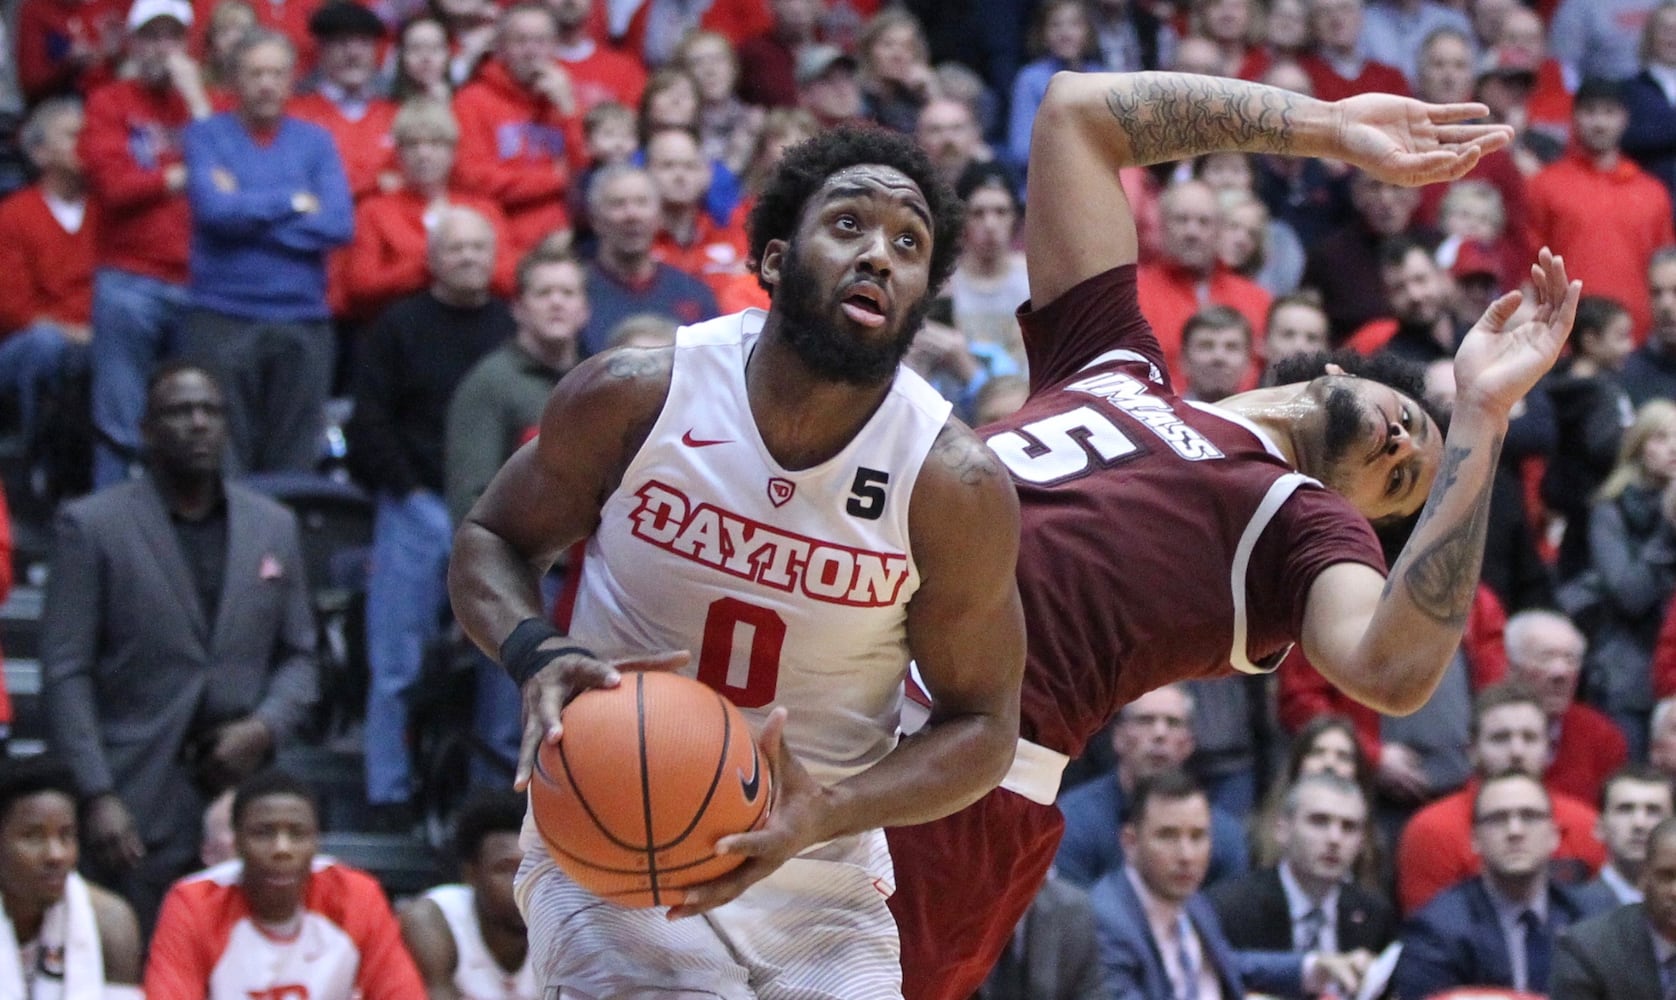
[(1310, 926), (1537, 948), (1184, 958)]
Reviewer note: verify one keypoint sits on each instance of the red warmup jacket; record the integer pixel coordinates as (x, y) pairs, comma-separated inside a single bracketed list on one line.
[(366, 146), (386, 259), (48, 271), (605, 75), (131, 135), (48, 29), (519, 150), (1304, 693)]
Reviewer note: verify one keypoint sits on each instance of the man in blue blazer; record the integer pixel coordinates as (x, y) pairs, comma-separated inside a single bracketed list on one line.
[(1496, 929), (1158, 939)]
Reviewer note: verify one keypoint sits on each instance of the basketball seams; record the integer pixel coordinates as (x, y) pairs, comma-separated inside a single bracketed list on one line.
[(651, 848), (715, 779), (576, 795)]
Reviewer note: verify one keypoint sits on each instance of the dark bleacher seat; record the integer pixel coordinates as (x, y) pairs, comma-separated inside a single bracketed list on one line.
[(403, 864)]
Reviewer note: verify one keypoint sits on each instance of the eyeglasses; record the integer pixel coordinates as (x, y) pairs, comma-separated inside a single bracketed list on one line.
[(1505, 817)]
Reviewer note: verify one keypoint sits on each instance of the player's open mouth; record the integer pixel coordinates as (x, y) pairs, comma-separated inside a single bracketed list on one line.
[(865, 304)]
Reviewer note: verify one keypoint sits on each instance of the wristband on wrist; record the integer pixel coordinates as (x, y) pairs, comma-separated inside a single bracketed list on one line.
[(521, 655)]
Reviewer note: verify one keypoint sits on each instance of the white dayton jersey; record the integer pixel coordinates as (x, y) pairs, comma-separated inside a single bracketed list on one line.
[(477, 976), (789, 587)]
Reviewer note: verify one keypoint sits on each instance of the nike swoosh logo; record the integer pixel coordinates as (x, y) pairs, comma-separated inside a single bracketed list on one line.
[(692, 442), (754, 785)]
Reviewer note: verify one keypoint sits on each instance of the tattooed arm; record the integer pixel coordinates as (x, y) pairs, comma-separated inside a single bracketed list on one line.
[(545, 498), (1091, 124), (1386, 643)]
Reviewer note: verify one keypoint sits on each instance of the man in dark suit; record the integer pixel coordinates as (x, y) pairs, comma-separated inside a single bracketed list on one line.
[(179, 643), (1496, 929), (1053, 955), (1307, 902), (1160, 940), (1634, 800), (1628, 953)]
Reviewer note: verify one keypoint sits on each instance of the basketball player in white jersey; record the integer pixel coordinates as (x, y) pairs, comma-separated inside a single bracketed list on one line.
[(469, 940), (779, 508)]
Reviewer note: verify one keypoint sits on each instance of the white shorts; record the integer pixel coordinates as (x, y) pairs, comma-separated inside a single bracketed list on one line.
[(817, 929)]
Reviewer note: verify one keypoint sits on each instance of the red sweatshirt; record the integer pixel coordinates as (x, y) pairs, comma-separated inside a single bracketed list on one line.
[(1375, 78), (132, 134), (48, 272), (365, 146), (47, 31), (519, 150), (387, 258), (605, 75)]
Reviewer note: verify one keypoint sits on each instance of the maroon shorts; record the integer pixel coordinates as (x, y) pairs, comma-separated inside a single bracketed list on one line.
[(963, 883)]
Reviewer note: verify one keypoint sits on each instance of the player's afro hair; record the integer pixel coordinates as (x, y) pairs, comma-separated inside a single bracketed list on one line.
[(489, 810), (807, 165)]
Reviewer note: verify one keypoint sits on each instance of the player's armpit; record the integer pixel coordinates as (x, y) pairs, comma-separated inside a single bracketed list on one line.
[(549, 493), (966, 632), (1337, 619)]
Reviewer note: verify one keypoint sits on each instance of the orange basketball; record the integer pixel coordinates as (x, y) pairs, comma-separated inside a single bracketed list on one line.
[(646, 778)]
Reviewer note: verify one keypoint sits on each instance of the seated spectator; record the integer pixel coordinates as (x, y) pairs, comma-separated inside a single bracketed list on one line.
[(1396, 32), (1294, 325), (1308, 901), (949, 134), (652, 40), (598, 73), (956, 367), (1159, 939), (1650, 136), (1187, 275), (1496, 929), (827, 85), (67, 47), (1340, 66), (279, 918), (520, 126), (1132, 37), (782, 129), (1506, 83), (1151, 735), (1509, 734), (727, 125), (688, 238), (896, 76), (469, 939), (1545, 653), (1596, 39), (768, 60), (1598, 208), (347, 99), (1634, 800), (989, 282), (422, 62), (1650, 372), (1054, 955), (1625, 953), (411, 360), (59, 934), (1236, 27), (46, 253), (624, 277), (1591, 412), (473, 29), (1472, 215), (1328, 744), (1344, 265), (1421, 328), (1548, 107), (229, 20), (269, 200), (178, 642), (1254, 245), (1632, 559), (610, 135), (387, 258), (137, 191), (671, 100), (1215, 355), (1061, 38)]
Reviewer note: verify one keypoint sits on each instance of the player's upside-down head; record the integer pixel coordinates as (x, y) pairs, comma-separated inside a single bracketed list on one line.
[(1364, 428), (853, 236)]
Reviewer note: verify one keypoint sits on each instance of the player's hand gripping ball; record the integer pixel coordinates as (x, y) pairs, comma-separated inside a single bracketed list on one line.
[(647, 776)]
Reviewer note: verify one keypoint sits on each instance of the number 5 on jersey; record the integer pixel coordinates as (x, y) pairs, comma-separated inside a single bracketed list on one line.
[(1063, 446)]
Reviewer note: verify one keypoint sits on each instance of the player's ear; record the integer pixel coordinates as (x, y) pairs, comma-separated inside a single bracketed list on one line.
[(773, 258)]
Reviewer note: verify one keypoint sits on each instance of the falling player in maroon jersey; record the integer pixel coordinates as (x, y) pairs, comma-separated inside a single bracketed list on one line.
[(1165, 540)]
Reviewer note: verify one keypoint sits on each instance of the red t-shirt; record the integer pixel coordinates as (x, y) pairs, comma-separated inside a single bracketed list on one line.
[(1137, 507), (208, 946)]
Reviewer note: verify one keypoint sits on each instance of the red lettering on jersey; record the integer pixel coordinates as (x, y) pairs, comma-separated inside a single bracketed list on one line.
[(293, 992), (751, 550)]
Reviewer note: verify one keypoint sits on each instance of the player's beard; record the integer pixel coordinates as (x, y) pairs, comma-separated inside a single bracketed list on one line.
[(1344, 424), (811, 329)]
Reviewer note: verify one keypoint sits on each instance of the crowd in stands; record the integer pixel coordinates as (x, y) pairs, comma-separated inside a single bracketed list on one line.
[(234, 232)]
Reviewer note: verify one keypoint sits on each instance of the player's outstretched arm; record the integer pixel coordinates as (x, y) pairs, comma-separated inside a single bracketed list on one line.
[(1091, 124), (966, 632), (1387, 642), (546, 498)]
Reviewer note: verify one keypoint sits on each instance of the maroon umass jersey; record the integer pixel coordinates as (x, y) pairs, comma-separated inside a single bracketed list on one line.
[(1162, 539)]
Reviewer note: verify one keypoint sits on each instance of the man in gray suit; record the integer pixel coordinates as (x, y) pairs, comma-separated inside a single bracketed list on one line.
[(1628, 953), (179, 642)]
